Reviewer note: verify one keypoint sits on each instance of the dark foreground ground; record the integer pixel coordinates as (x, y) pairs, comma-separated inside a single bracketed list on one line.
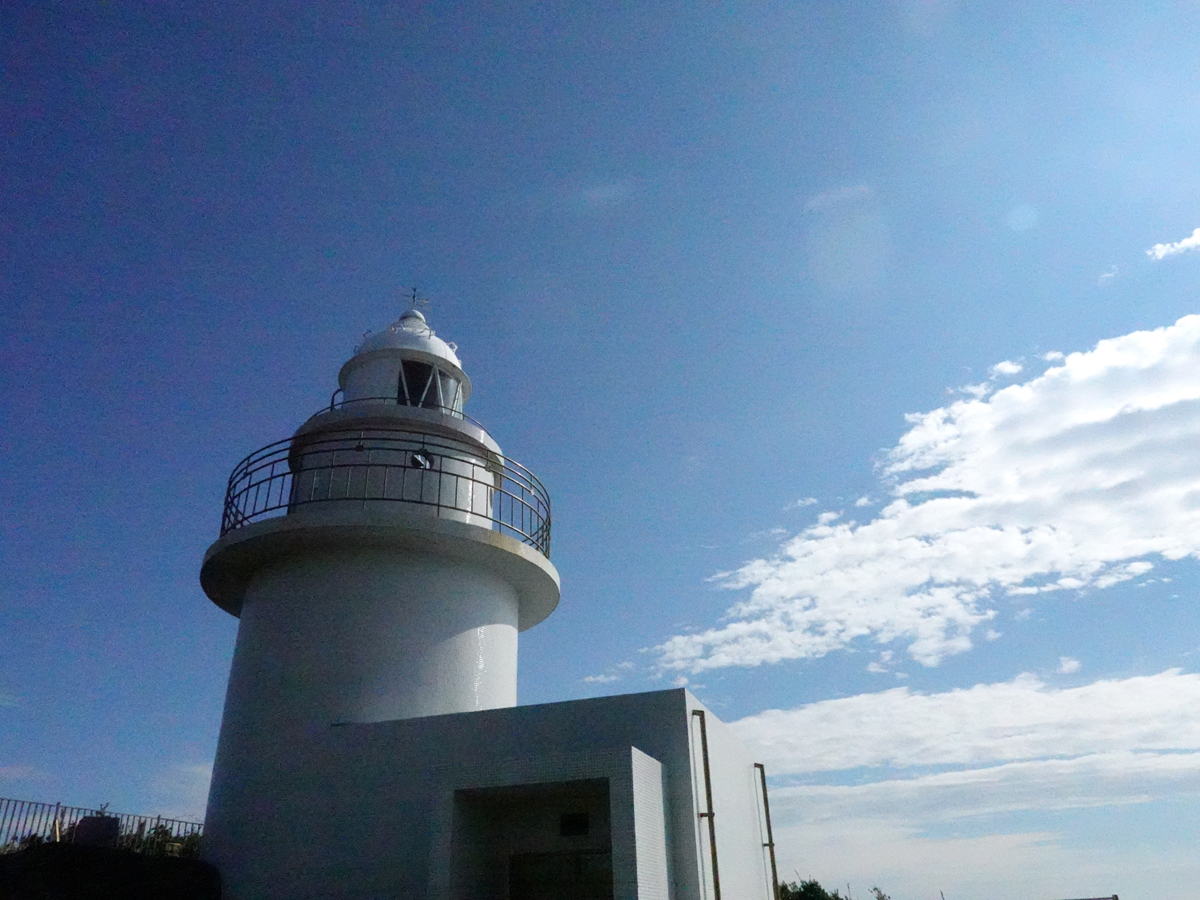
[(71, 872)]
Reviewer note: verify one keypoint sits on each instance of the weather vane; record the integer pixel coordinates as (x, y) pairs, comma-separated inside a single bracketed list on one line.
[(416, 299)]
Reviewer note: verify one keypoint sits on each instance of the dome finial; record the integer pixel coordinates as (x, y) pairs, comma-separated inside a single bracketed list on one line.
[(415, 301)]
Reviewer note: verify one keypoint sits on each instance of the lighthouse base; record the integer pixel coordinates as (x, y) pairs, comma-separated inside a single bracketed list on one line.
[(585, 799)]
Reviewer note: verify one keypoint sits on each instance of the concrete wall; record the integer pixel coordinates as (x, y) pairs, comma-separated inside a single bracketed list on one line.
[(368, 810), (743, 866), (649, 826), (370, 636), (449, 478)]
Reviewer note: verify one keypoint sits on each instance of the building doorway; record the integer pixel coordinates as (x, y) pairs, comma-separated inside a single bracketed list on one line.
[(566, 875), (548, 841)]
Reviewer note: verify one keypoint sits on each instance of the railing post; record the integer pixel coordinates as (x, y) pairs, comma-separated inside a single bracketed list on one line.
[(770, 844), (710, 815)]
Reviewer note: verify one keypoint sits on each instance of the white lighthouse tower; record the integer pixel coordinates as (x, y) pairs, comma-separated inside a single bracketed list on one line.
[(409, 554), (382, 561)]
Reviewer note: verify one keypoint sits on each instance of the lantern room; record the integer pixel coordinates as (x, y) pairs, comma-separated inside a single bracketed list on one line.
[(406, 364)]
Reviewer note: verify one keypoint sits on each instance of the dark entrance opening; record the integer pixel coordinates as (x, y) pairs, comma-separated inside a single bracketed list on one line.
[(545, 841), (569, 875)]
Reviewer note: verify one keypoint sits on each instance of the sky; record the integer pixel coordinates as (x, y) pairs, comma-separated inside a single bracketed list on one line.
[(856, 343)]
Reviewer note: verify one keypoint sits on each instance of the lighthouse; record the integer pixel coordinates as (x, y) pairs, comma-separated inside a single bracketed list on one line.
[(409, 554), (382, 561)]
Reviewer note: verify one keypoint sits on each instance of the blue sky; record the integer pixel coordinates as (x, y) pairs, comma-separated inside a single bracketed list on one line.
[(850, 340)]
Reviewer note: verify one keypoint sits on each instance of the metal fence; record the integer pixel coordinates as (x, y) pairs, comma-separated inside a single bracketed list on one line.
[(444, 476), (26, 823)]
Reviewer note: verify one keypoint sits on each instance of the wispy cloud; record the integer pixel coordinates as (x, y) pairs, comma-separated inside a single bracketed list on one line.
[(17, 773), (1018, 720), (1089, 782), (880, 666), (1162, 251), (1006, 369), (1068, 665), (1072, 479), (879, 785), (613, 673), (865, 783)]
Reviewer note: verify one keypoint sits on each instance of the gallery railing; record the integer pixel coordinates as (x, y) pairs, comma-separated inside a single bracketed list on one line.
[(444, 476), (26, 823)]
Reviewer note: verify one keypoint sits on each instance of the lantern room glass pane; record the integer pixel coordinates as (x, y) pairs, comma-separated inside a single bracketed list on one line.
[(416, 384), (451, 392)]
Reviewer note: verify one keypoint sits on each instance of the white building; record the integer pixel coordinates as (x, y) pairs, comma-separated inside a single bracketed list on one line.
[(382, 562)]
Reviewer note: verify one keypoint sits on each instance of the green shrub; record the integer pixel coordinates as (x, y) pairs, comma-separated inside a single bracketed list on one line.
[(811, 890)]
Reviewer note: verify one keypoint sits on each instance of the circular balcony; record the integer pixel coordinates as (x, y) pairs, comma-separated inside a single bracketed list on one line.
[(387, 465)]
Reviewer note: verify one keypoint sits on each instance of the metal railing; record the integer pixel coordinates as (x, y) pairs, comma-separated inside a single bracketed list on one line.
[(26, 823), (390, 465)]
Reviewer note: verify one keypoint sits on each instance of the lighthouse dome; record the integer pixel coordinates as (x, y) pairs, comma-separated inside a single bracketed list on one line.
[(410, 332), (407, 364)]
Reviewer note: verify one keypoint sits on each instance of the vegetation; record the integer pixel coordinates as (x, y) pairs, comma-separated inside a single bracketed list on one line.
[(77, 872), (812, 890), (160, 840)]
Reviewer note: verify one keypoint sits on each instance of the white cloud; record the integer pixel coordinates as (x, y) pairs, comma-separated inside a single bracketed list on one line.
[(907, 834), (767, 534), (1011, 721), (1072, 479), (910, 863), (1090, 782), (826, 517), (1068, 665), (1007, 368), (882, 785), (880, 665), (1162, 251), (863, 501), (17, 773), (1107, 276), (613, 673), (803, 502)]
